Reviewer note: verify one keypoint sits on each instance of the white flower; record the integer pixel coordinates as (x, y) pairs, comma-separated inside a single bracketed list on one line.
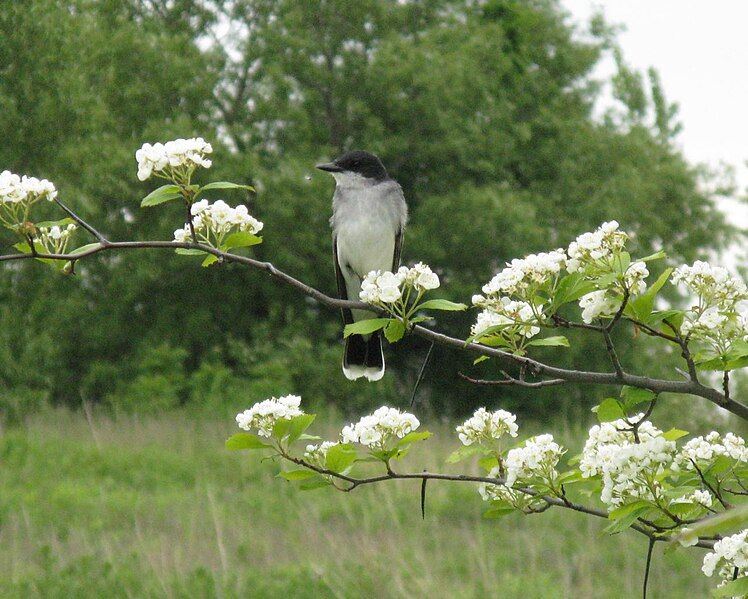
[(537, 458), (635, 277), (522, 274), (264, 415), (732, 552), (317, 454), (491, 492), (504, 311), (701, 450), (598, 304), (376, 429), (17, 190), (54, 239), (180, 153), (484, 426), (591, 248), (212, 222), (713, 283), (385, 287), (697, 496)]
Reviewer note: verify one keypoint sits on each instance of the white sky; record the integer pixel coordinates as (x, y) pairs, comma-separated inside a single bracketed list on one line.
[(700, 49)]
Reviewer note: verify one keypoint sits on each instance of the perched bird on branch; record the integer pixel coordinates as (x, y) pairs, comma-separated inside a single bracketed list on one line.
[(368, 221)]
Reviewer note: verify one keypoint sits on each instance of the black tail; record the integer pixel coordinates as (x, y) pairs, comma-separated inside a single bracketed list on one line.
[(363, 357)]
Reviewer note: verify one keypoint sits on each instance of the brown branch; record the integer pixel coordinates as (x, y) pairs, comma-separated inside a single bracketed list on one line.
[(101, 239), (510, 380), (538, 368), (548, 499)]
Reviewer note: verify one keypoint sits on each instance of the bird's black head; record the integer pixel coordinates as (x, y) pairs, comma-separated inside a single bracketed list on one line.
[(358, 162)]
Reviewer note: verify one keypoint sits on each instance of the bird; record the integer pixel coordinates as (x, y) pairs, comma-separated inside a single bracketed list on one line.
[(368, 221)]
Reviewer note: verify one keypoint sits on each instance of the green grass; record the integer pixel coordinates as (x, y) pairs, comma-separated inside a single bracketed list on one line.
[(157, 507)]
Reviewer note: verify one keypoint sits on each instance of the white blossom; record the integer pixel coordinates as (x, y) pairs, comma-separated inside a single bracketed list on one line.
[(55, 238), (730, 552), (598, 304), (316, 454), (517, 315), (492, 492), (165, 159), (523, 274), (699, 496), (385, 287), (537, 458), (590, 248), (713, 283), (702, 450), (264, 415), (376, 429), (484, 426), (214, 221), (18, 190)]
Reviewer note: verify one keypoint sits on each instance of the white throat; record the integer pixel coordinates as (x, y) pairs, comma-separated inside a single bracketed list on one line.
[(352, 180)]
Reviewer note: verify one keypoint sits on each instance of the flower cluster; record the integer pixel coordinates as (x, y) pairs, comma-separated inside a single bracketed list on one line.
[(384, 287), (699, 496), (629, 470), (702, 450), (317, 454), (484, 427), (716, 318), (264, 415), (54, 239), (174, 160), (729, 553), (375, 430), (492, 492), (512, 316), (24, 190), (537, 458), (591, 248), (523, 275), (213, 222)]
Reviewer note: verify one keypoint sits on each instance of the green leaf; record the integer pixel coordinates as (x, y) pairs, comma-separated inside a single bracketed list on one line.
[(340, 457), (240, 239), (610, 409), (498, 511), (413, 437), (317, 482), (570, 289), (209, 259), (245, 441), (641, 307), (674, 434), (394, 331), (558, 340), (165, 193), (726, 522), (466, 451), (226, 185), (365, 327), (300, 474), (280, 429), (55, 223), (633, 396), (734, 588), (190, 252), (488, 462), (298, 424), (480, 359), (626, 515), (656, 256), (441, 304), (85, 248)]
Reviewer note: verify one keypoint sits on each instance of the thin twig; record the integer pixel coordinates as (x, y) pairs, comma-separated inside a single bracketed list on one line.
[(88, 227), (646, 569), (420, 374), (509, 380)]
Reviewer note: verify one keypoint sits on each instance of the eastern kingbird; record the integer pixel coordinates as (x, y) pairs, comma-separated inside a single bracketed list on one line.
[(368, 220)]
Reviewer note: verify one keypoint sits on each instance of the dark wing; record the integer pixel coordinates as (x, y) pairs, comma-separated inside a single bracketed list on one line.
[(342, 291), (398, 249)]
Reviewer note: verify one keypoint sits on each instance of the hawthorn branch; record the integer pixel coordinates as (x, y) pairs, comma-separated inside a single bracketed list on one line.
[(690, 387), (510, 380), (550, 501)]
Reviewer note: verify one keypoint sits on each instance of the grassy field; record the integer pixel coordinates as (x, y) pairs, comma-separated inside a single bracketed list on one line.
[(158, 508)]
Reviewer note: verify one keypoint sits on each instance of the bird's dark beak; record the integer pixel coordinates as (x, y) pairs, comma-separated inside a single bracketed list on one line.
[(330, 167)]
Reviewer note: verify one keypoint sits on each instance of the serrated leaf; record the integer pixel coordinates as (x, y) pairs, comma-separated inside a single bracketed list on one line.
[(300, 474), (165, 193), (394, 331), (674, 434), (556, 341), (609, 410), (226, 185), (298, 424), (365, 327), (240, 239), (209, 259), (413, 437), (245, 441), (465, 451), (441, 304), (340, 457)]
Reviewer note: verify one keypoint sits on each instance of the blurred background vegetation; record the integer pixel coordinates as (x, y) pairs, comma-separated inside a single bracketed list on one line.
[(485, 112), (482, 111)]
